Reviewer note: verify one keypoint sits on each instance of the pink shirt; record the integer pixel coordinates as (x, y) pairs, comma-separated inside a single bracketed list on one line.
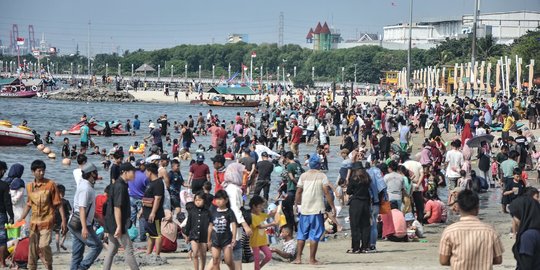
[(400, 226), (436, 211)]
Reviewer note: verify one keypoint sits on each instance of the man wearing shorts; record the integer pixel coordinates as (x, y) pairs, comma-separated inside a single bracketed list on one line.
[(311, 188)]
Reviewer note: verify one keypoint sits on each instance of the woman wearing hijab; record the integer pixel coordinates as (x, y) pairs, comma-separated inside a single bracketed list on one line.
[(526, 217), (466, 133), (359, 213), (16, 189)]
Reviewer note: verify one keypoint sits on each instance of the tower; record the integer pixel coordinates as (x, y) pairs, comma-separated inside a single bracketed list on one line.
[(31, 38), (13, 38), (281, 28)]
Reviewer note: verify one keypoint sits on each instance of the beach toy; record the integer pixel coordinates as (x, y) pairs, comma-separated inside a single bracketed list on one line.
[(14, 230), (52, 155), (278, 169), (446, 144), (66, 161), (58, 133), (46, 150), (64, 132), (40, 147)]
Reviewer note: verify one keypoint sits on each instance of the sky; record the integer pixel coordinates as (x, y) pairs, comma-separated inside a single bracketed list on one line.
[(119, 25)]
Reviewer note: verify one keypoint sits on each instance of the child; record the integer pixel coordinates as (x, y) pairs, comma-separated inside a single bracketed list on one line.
[(58, 220), (195, 231), (175, 148), (48, 138), (201, 149), (258, 240), (494, 171), (222, 231), (414, 225), (464, 182), (288, 251), (208, 197), (306, 160), (65, 149), (74, 152), (168, 139)]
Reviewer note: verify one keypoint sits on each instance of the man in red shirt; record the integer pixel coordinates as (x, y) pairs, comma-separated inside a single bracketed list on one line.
[(101, 199), (198, 174), (296, 137)]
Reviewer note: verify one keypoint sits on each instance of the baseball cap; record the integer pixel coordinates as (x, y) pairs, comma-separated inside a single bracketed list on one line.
[(139, 162), (217, 158), (200, 157), (88, 167), (409, 217), (152, 158), (124, 167), (264, 154)]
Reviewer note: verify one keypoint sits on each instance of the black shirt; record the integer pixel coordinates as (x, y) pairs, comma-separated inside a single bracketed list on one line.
[(265, 168), (155, 188), (197, 224), (222, 235), (115, 172), (6, 206), (118, 197)]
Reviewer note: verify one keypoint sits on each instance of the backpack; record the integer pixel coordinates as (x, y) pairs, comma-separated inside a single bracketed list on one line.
[(299, 169)]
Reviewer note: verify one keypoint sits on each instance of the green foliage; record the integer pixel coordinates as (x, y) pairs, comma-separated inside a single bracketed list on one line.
[(370, 61)]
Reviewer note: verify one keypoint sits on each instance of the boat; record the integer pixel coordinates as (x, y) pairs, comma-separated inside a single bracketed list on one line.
[(96, 128), (11, 135), (198, 101), (233, 103), (14, 88), (235, 91)]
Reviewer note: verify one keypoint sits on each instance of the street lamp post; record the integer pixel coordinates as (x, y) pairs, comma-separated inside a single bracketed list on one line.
[(313, 74), (185, 72), (119, 70), (294, 71), (355, 73), (342, 77), (172, 72), (158, 72), (213, 73), (410, 45), (71, 69), (199, 73), (106, 69)]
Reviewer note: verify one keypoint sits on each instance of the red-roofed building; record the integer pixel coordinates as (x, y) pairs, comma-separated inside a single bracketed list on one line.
[(309, 37), (323, 37)]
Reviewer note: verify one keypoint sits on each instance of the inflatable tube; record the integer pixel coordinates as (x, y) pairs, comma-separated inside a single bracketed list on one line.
[(139, 150), (14, 88), (34, 88)]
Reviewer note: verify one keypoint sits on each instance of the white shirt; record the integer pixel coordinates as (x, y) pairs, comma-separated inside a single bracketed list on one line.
[(312, 183), (311, 121), (77, 174), (480, 131), (85, 196), (455, 161)]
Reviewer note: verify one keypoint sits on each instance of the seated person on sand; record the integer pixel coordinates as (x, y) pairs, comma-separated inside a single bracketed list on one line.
[(414, 225), (288, 250), (434, 208), (394, 225)]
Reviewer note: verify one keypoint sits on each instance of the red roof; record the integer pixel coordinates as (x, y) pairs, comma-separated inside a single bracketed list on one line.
[(325, 29), (318, 29), (310, 34)]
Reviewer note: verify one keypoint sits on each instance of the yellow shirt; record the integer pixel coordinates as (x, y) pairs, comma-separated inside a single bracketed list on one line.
[(508, 123), (258, 238)]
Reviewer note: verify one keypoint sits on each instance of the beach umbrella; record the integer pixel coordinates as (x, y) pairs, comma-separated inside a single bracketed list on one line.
[(477, 141)]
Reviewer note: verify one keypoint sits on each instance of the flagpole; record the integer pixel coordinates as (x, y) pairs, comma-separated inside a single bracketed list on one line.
[(251, 70)]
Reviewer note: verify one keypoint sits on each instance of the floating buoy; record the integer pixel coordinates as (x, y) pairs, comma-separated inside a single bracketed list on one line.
[(66, 161), (64, 132), (40, 147), (58, 133), (52, 155), (46, 150)]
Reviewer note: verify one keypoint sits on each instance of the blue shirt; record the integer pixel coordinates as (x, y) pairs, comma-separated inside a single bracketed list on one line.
[(138, 185), (136, 124), (377, 183), (84, 133)]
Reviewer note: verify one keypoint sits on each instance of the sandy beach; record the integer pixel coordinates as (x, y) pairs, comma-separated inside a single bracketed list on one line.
[(412, 255)]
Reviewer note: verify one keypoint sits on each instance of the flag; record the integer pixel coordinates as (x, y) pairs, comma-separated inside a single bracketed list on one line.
[(244, 67), (20, 41), (394, 4), (253, 54)]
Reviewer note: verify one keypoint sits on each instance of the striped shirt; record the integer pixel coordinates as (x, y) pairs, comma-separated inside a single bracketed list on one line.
[(471, 244)]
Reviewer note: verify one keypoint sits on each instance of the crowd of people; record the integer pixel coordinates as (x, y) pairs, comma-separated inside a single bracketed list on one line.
[(235, 210)]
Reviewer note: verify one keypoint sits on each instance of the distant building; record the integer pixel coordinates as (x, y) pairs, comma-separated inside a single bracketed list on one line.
[(235, 38), (503, 26), (323, 37)]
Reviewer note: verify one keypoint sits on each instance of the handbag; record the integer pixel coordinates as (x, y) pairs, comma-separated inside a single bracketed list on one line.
[(385, 207), (148, 202), (75, 220), (407, 205)]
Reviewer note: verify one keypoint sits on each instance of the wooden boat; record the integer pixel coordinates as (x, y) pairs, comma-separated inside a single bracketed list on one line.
[(11, 135), (14, 88), (233, 103)]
